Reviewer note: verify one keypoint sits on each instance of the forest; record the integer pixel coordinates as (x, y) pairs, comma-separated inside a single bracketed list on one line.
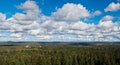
[(59, 55)]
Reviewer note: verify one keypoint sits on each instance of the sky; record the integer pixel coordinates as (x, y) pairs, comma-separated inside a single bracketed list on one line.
[(60, 20)]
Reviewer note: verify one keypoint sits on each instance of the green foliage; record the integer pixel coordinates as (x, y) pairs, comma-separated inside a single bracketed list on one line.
[(59, 55)]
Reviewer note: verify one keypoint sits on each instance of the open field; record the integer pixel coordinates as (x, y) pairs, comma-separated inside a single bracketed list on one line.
[(59, 54)]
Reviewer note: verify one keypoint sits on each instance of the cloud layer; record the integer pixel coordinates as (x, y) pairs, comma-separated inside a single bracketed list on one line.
[(63, 25)]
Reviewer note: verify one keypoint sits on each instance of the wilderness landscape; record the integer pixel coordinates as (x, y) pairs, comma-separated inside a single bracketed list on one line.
[(59, 32), (59, 53)]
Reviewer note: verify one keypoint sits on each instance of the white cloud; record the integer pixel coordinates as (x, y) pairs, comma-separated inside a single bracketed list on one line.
[(53, 26), (106, 21), (31, 9), (28, 21), (96, 13), (107, 18), (81, 25), (2, 17), (107, 24), (70, 12), (38, 31), (18, 35), (19, 16), (30, 6), (112, 7)]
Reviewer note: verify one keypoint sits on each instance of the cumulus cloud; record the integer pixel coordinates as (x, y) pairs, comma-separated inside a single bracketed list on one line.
[(30, 7), (63, 25), (22, 22), (107, 18), (96, 13), (106, 21), (28, 21), (112, 7), (70, 12), (109, 29)]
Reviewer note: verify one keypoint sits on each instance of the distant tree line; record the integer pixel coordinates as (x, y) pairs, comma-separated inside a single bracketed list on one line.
[(59, 55)]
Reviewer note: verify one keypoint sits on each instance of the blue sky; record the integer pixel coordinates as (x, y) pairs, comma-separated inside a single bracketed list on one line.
[(48, 6), (59, 20)]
